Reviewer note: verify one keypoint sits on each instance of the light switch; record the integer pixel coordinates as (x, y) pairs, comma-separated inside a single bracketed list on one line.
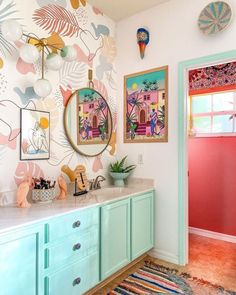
[(140, 159)]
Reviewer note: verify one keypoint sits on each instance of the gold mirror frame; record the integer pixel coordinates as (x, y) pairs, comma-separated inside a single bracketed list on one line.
[(75, 147)]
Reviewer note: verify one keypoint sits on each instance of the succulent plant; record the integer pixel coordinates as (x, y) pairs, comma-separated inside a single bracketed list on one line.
[(118, 167)]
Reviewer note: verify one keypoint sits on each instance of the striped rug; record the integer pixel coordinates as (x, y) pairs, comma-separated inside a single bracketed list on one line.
[(149, 280)]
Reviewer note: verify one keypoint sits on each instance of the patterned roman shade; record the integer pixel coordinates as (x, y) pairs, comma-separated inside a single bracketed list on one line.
[(213, 79)]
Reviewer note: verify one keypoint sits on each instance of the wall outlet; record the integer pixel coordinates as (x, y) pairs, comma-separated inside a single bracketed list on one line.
[(140, 159)]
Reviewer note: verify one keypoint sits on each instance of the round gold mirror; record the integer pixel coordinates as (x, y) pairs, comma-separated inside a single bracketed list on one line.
[(88, 122)]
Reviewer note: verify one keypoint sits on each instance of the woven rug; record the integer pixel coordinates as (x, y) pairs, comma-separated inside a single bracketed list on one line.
[(156, 279)]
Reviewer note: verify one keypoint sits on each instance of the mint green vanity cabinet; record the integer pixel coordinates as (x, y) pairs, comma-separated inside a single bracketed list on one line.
[(21, 261), (69, 254), (142, 224), (72, 253), (115, 237)]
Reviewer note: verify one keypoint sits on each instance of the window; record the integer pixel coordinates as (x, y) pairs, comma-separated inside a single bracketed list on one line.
[(213, 114)]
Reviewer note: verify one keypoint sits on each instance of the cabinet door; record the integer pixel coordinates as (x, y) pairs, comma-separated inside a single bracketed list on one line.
[(115, 237), (20, 263), (142, 224)]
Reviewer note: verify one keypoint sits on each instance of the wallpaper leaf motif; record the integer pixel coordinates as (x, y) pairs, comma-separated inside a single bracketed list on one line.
[(46, 104), (5, 11), (101, 88), (109, 49), (27, 169), (73, 74), (55, 18)]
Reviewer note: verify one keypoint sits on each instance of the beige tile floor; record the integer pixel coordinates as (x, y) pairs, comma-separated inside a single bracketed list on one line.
[(211, 260)]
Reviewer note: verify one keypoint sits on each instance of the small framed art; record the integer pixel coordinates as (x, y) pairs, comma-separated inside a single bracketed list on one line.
[(146, 106), (35, 135)]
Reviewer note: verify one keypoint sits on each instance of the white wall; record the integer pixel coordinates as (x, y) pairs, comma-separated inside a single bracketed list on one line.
[(174, 37)]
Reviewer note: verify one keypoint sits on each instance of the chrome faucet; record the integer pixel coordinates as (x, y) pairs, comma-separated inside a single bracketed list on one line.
[(96, 183)]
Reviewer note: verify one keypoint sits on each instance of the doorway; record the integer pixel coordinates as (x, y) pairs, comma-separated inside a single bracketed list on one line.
[(142, 117), (184, 69), (95, 122)]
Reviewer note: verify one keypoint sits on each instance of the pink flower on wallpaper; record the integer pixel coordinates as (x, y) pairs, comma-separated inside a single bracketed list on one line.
[(25, 169), (21, 66), (24, 68), (97, 11), (66, 93), (82, 57), (97, 164), (10, 140)]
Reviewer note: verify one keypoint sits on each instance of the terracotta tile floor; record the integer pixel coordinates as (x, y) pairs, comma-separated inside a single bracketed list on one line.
[(211, 260)]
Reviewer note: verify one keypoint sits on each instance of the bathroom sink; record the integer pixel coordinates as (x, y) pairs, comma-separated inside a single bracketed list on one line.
[(111, 192)]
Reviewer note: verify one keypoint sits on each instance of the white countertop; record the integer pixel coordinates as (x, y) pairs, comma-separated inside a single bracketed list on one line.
[(12, 217)]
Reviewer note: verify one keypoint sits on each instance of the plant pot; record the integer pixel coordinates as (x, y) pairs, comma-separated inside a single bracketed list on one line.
[(119, 178)]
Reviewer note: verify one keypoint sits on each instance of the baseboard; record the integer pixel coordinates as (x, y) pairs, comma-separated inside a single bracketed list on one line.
[(212, 234), (164, 255)]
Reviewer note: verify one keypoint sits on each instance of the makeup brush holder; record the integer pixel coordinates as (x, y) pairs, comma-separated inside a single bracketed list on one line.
[(43, 195)]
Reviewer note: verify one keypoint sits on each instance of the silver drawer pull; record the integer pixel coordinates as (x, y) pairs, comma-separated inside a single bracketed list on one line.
[(76, 224), (76, 281), (76, 247)]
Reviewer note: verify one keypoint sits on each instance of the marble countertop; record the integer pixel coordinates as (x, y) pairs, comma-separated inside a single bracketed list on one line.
[(12, 217)]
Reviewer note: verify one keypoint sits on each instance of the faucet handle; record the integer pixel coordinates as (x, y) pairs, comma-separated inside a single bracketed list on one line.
[(98, 181), (91, 184)]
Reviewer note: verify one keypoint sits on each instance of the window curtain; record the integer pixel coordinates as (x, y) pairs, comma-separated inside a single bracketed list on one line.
[(212, 79)]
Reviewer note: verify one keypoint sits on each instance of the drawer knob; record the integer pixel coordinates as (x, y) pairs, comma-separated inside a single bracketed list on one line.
[(76, 281), (76, 224), (77, 247)]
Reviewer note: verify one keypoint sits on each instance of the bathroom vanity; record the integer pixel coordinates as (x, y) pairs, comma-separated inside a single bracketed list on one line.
[(68, 247)]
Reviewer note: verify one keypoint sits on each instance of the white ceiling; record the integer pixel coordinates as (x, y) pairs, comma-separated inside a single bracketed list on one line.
[(119, 9)]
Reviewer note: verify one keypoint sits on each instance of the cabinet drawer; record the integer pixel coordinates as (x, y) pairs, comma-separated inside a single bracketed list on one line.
[(75, 279), (72, 223), (75, 246)]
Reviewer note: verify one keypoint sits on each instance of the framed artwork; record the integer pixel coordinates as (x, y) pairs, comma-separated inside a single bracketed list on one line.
[(146, 106), (35, 135)]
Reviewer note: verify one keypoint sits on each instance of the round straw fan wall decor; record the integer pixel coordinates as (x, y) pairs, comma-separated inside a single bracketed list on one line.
[(215, 18)]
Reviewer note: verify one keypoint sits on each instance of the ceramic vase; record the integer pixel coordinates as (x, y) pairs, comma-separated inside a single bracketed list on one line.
[(119, 178)]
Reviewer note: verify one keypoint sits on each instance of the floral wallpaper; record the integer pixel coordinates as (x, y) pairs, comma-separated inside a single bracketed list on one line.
[(92, 34)]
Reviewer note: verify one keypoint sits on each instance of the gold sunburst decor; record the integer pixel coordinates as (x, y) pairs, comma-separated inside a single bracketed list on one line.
[(76, 3)]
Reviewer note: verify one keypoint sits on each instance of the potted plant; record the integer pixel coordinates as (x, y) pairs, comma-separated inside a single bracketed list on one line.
[(119, 172)]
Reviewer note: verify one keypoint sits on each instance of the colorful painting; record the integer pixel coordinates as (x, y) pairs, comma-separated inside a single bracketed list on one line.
[(93, 117), (35, 135), (146, 106)]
